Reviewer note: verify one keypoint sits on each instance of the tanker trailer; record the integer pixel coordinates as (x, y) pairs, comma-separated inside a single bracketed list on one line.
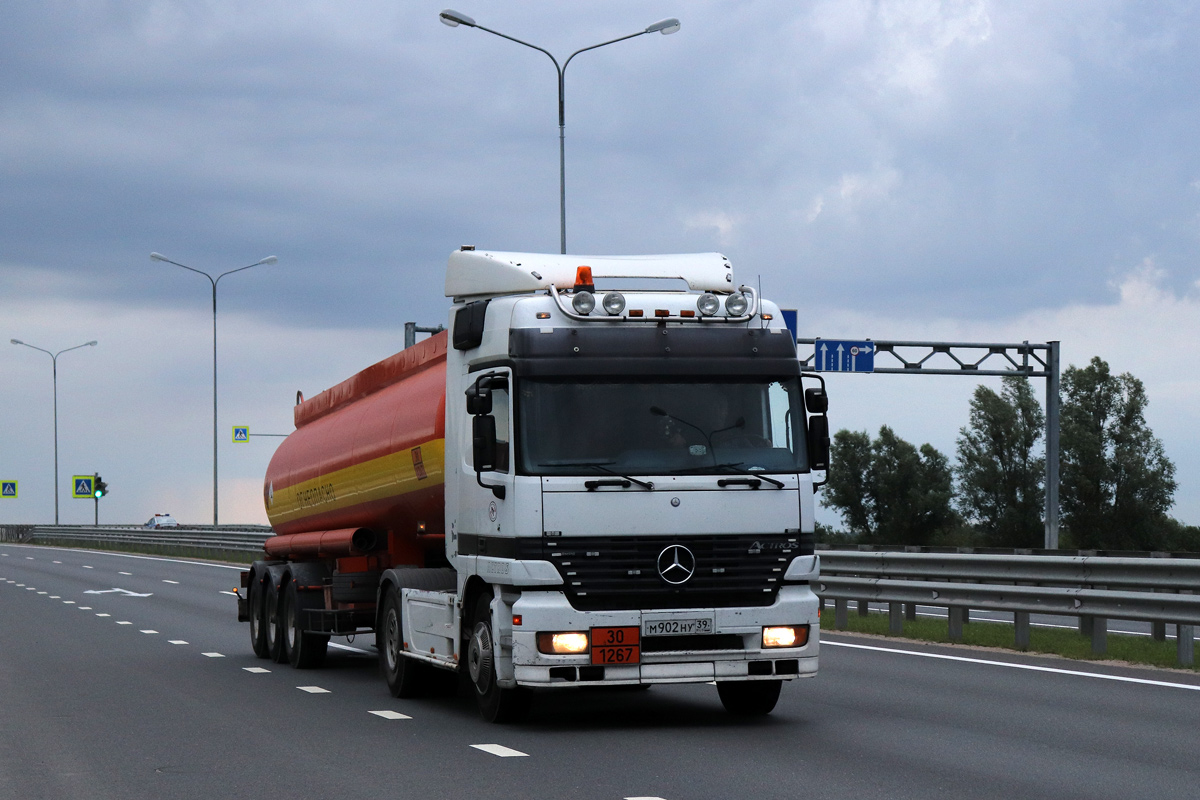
[(574, 486)]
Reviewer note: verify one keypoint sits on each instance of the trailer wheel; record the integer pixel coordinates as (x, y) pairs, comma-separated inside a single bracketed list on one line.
[(749, 698), (258, 618), (273, 624), (305, 650), (495, 704), (405, 677)]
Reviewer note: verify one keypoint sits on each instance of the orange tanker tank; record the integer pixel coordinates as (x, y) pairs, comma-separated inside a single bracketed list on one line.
[(368, 453)]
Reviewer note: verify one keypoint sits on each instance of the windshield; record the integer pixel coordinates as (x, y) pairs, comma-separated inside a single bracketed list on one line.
[(585, 427)]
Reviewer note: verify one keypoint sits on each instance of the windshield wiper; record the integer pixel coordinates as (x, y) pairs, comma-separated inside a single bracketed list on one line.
[(601, 465), (732, 467)]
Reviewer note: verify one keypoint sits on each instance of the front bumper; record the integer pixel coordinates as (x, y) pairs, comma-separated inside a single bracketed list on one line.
[(550, 611)]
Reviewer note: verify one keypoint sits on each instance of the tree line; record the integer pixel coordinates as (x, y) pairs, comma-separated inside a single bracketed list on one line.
[(1116, 482)]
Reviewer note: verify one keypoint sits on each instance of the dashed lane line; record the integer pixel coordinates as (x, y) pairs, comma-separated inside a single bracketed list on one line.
[(213, 655), (499, 750), (85, 608), (85, 566), (125, 573), (1013, 665), (69, 602), (256, 670), (313, 690), (124, 622), (104, 615), (167, 581), (149, 631), (390, 714), (177, 641)]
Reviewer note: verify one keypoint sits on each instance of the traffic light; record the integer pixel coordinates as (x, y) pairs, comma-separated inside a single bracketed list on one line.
[(99, 487)]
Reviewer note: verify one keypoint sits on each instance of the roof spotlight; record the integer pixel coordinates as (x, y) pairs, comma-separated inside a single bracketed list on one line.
[(614, 303), (708, 304), (584, 302), (736, 304)]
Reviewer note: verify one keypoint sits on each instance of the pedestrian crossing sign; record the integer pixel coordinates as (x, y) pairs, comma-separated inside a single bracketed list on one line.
[(241, 433), (81, 486), (8, 489)]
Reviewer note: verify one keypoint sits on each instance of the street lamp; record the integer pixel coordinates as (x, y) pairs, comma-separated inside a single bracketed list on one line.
[(54, 361), (453, 19), (214, 281)]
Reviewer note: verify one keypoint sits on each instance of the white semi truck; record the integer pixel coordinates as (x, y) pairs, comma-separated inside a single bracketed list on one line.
[(602, 474)]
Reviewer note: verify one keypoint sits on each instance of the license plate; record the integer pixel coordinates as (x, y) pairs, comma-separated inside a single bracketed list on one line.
[(616, 645), (677, 627)]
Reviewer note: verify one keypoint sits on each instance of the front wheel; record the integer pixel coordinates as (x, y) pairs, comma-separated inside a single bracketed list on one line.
[(495, 704), (749, 698), (406, 677)]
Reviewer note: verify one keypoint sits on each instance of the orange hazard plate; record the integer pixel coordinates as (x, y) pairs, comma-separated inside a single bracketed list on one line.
[(616, 645)]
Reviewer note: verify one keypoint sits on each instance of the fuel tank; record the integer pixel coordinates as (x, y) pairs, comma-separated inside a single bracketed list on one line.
[(367, 453)]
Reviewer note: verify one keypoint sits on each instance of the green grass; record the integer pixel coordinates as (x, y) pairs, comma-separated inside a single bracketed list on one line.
[(1065, 642)]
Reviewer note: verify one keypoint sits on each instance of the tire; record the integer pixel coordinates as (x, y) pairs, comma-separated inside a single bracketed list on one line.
[(305, 650), (273, 627), (258, 617), (406, 677), (749, 698), (495, 704)]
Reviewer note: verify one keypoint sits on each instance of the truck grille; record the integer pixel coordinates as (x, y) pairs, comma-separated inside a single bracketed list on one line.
[(621, 572)]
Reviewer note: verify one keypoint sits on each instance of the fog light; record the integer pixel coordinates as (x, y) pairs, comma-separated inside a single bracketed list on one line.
[(736, 304), (584, 302), (614, 303), (571, 642), (708, 304), (785, 636)]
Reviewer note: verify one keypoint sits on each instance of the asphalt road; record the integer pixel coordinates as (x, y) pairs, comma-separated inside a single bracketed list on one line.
[(152, 692)]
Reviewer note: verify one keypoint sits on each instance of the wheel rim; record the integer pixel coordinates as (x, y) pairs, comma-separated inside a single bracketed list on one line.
[(479, 657), (255, 614), (289, 631), (391, 639)]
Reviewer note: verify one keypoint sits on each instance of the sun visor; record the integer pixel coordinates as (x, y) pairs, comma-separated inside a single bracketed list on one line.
[(477, 273)]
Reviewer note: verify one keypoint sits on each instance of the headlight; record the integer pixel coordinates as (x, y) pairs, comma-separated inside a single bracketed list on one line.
[(736, 304), (584, 302), (614, 303), (708, 304), (785, 636), (570, 642)]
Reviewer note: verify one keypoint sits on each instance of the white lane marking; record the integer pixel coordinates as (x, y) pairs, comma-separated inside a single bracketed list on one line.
[(29, 558), (57, 562), (226, 591), (31, 588), (104, 615), (125, 592), (85, 566), (390, 714), (43, 593), (177, 641), (313, 689), (499, 750), (149, 631), (85, 608), (19, 584), (125, 573), (1010, 665), (69, 602), (213, 655), (124, 623), (56, 597), (256, 670), (167, 581), (4, 554), (348, 647)]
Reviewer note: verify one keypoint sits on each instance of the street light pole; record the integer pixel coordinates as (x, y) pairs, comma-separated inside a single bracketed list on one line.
[(214, 282), (54, 361), (453, 19)]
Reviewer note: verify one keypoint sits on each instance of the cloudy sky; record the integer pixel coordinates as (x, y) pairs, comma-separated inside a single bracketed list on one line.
[(963, 170)]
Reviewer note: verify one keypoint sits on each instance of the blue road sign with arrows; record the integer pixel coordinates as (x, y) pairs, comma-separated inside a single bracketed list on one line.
[(843, 355), (81, 486), (8, 489)]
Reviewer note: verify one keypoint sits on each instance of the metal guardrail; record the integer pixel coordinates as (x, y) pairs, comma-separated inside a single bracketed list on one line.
[(1155, 590), (200, 539)]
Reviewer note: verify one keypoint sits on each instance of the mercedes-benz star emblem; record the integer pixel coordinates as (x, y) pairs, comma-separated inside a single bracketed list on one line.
[(676, 564)]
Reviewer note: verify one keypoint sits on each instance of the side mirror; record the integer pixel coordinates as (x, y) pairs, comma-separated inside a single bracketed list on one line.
[(816, 401), (818, 442), (479, 398), (483, 442)]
